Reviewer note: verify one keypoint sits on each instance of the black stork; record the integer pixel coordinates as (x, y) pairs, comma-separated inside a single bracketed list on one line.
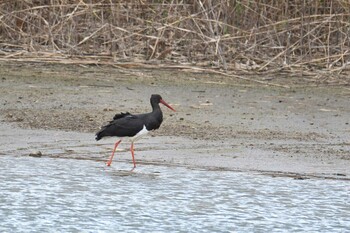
[(134, 126)]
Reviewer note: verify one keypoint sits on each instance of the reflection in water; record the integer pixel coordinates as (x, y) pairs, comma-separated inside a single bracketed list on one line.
[(42, 194)]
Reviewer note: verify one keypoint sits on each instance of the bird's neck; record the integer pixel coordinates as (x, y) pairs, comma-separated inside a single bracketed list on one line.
[(155, 107), (157, 112)]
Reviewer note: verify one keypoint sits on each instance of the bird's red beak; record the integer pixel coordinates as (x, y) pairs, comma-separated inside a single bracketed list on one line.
[(163, 102)]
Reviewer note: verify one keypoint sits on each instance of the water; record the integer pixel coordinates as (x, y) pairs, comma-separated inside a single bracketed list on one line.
[(69, 195)]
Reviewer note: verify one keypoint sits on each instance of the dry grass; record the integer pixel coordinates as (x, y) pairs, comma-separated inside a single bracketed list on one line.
[(233, 36)]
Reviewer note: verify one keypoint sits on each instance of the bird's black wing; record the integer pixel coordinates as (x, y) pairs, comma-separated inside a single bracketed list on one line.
[(121, 115), (123, 125)]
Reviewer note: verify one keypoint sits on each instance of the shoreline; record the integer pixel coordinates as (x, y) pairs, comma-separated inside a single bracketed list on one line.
[(220, 124)]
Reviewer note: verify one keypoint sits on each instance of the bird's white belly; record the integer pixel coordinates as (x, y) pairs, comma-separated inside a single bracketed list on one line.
[(140, 134)]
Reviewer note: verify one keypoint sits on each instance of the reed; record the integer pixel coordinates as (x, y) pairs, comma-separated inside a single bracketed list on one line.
[(244, 36)]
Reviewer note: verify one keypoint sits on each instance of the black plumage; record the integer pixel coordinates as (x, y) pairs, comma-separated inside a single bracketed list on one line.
[(134, 126), (122, 125)]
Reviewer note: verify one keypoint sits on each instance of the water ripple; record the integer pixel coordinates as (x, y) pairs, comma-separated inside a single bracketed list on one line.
[(42, 194)]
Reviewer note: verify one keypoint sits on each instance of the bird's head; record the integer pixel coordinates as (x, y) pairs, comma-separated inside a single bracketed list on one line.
[(155, 98)]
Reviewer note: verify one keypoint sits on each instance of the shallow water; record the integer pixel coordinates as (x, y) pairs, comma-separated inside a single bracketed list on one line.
[(69, 195)]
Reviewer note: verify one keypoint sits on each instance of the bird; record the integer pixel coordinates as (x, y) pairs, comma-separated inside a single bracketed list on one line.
[(133, 126)]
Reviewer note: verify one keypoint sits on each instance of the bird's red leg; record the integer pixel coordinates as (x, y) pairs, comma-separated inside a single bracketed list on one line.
[(111, 158), (133, 155)]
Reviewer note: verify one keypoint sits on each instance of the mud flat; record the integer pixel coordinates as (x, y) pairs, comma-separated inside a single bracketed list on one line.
[(221, 123)]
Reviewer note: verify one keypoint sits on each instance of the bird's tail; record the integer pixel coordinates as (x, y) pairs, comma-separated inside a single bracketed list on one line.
[(106, 131), (99, 135)]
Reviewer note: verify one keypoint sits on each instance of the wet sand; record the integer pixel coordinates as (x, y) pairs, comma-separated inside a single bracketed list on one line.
[(220, 123)]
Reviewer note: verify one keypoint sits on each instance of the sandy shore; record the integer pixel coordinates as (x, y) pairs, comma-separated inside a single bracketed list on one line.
[(220, 123)]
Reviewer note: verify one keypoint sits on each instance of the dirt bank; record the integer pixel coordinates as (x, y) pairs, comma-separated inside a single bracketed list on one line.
[(230, 123)]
